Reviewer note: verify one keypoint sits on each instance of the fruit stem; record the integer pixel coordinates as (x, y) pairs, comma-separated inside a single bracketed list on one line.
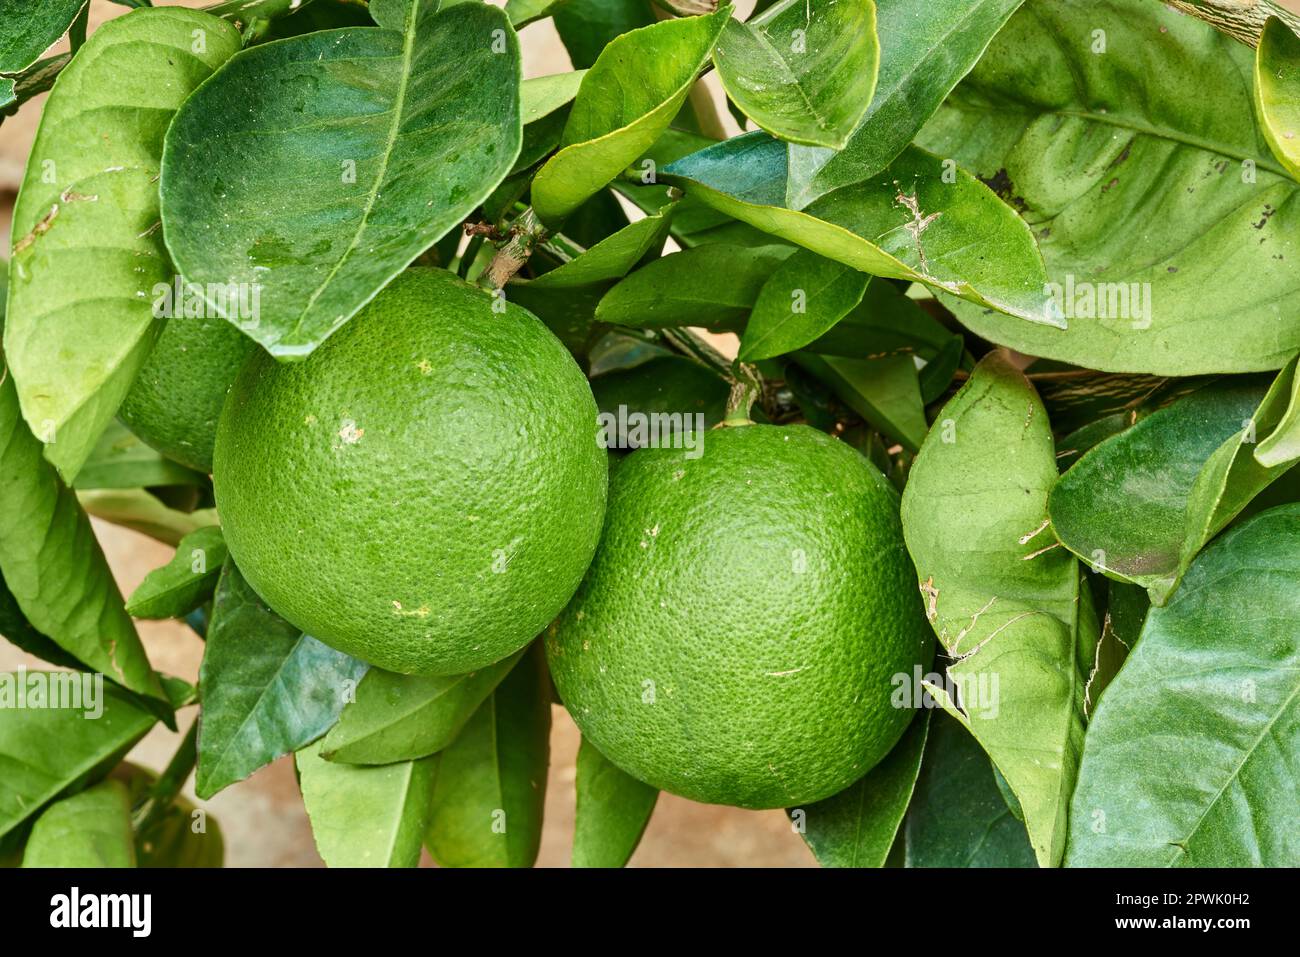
[(745, 389), (525, 233)]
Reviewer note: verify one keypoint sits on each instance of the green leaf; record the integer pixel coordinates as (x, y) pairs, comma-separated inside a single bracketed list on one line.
[(1277, 92), (669, 385), (935, 376), (1126, 610), (857, 827), (389, 137), (1001, 594), (626, 100), (588, 26), (714, 286), (804, 297), (524, 12), (544, 103), (958, 817), (922, 57), (144, 512), (491, 787), (565, 298), (366, 816), (1139, 506), (887, 322), (1283, 443), (46, 753), (29, 29), (886, 392), (185, 582), (19, 631), (611, 258), (804, 70), (1211, 690), (543, 95), (1166, 224), (53, 565), (267, 688), (90, 829), (400, 717), (120, 459), (907, 222), (612, 812), (88, 208)]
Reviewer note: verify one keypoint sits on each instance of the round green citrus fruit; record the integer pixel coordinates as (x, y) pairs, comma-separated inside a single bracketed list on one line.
[(425, 490), (736, 638), (176, 398)]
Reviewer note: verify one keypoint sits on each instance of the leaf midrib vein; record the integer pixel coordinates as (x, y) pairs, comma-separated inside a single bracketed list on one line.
[(399, 106), (1236, 772)]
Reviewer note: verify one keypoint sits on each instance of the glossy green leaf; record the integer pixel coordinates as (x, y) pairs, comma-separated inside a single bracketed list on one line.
[(400, 717), (491, 787), (185, 582), (543, 106), (523, 12), (29, 29), (934, 377), (1212, 689), (626, 100), (566, 296), (366, 816), (1282, 444), (20, 632), (1277, 92), (389, 137), (804, 70), (122, 460), (804, 297), (1168, 228), (1001, 594), (267, 688), (611, 258), (885, 323), (672, 386), (88, 208), (543, 95), (906, 222), (46, 753), (923, 55), (144, 512), (958, 817), (713, 286), (1140, 505), (886, 392), (693, 222), (89, 829), (612, 812), (53, 565), (857, 827), (587, 26)]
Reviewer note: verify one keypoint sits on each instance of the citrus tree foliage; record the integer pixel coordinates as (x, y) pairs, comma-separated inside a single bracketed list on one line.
[(1031, 263)]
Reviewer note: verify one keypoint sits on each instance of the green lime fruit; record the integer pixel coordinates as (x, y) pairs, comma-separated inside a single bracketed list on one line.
[(176, 398), (737, 637), (426, 490)]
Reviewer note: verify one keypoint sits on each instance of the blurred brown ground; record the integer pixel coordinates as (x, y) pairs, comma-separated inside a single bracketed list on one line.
[(262, 818)]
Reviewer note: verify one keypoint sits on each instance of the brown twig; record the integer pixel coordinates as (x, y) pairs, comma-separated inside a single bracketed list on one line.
[(525, 233)]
